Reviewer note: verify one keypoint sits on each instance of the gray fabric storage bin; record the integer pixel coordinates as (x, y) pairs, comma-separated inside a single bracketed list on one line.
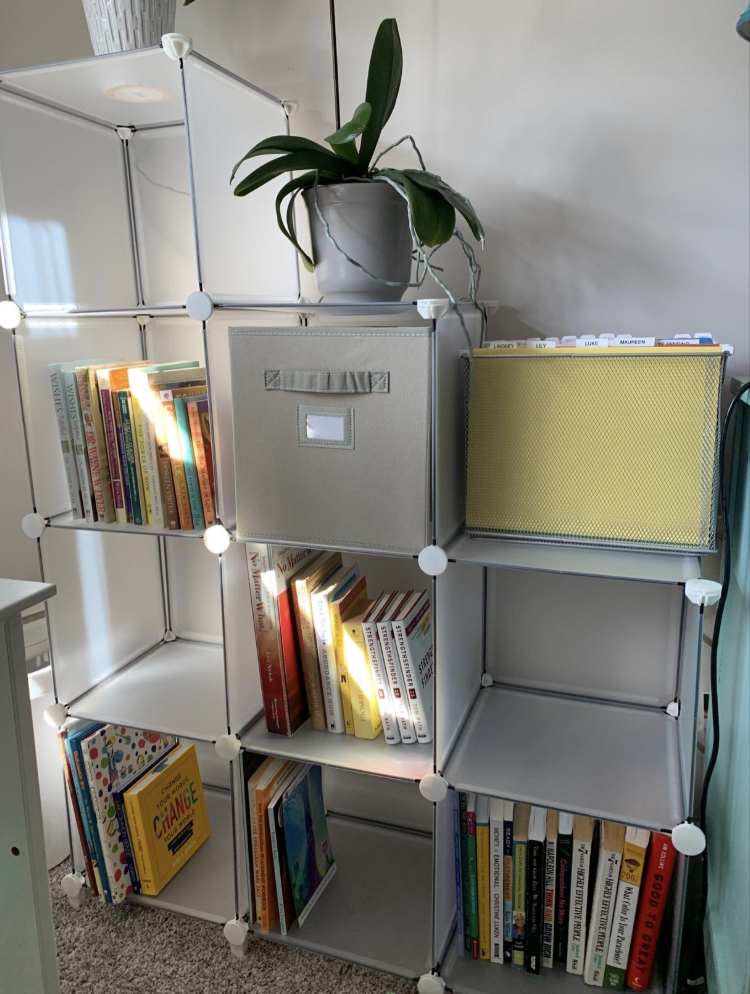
[(332, 435)]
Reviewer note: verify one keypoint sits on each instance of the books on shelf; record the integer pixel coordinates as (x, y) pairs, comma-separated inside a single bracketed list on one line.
[(292, 860), (136, 442), (548, 889)]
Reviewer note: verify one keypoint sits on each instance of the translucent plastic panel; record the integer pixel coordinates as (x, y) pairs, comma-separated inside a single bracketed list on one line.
[(63, 210), (194, 594), (242, 251), (625, 640), (39, 342), (445, 874), (163, 215), (390, 802), (108, 607), (98, 87), (174, 340)]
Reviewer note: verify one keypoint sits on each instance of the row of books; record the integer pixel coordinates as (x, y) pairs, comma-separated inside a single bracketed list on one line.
[(136, 442), (291, 857), (329, 651), (138, 805), (536, 887)]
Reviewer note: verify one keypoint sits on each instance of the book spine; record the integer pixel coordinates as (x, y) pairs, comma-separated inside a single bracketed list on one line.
[(101, 445), (396, 681), (342, 674), (188, 462), (519, 904), (465, 886), (175, 458), (66, 445), (205, 482), (534, 905), (483, 889), (578, 906), (255, 843), (631, 872), (139, 843), (77, 817), (283, 925), (79, 445), (290, 665), (548, 931), (127, 847), (309, 653), (473, 887), (650, 914), (262, 865), (164, 464), (119, 433), (382, 688), (562, 899), (113, 455), (262, 577), (104, 512), (146, 401), (496, 889), (458, 871), (140, 452), (130, 456), (607, 875), (367, 720), (417, 681), (328, 667), (88, 813), (507, 892)]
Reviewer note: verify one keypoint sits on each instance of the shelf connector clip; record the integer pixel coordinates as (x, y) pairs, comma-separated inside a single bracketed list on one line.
[(688, 839), (433, 787), (199, 305), (432, 308), (169, 636), (74, 888), (228, 747), (177, 46), (32, 525), (56, 715), (487, 680), (673, 709), (433, 560), (236, 932), (430, 983), (290, 107), (10, 315), (703, 592), (124, 132)]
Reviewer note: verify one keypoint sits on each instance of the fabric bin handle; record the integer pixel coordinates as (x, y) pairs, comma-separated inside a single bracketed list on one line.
[(326, 381)]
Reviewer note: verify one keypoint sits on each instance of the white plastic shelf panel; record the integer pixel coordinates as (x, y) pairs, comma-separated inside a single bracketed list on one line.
[(66, 520), (615, 762), (403, 762), (377, 909), (177, 688), (509, 554), (204, 887)]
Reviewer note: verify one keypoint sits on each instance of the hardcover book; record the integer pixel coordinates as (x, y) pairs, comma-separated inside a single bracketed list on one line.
[(602, 906), (167, 817), (271, 571), (69, 775), (365, 711), (197, 412), (626, 903), (78, 436), (261, 787), (308, 847), (76, 733), (332, 589), (535, 867), (282, 877), (521, 816), (650, 915), (404, 718), (114, 756), (381, 682), (65, 433), (412, 633), (96, 446), (341, 606), (309, 577), (483, 874), (583, 834)]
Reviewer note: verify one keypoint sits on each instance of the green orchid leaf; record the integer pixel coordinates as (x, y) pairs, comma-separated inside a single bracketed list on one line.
[(433, 217), (383, 82), (352, 129), (348, 151), (326, 161), (294, 186), (280, 145), (461, 203)]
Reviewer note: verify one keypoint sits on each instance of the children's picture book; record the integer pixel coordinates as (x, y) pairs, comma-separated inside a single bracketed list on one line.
[(308, 846), (282, 879)]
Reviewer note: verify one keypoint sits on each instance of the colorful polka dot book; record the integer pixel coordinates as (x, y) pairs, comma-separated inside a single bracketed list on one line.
[(113, 757)]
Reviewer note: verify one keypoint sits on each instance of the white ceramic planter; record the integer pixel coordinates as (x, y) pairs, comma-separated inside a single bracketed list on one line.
[(371, 224), (122, 25)]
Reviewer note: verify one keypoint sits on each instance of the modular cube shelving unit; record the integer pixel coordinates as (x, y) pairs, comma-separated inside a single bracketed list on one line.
[(565, 677)]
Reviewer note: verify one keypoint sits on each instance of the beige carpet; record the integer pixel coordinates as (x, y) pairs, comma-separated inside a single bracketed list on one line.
[(137, 950)]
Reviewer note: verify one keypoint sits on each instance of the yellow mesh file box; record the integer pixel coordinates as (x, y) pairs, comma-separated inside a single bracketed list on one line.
[(602, 446)]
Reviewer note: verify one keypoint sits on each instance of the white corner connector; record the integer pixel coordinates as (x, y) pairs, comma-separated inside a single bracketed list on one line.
[(10, 314), (433, 787), (432, 308), (199, 305), (124, 132), (56, 715), (216, 539), (228, 747), (703, 592), (74, 888), (487, 680), (490, 306), (32, 525), (236, 932), (169, 636), (290, 107), (673, 709), (433, 560), (177, 46), (688, 839), (430, 983)]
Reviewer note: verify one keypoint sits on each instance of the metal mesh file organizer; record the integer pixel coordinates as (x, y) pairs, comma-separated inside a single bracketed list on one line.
[(611, 446)]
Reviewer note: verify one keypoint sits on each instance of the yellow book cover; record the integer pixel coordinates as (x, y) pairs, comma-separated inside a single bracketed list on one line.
[(365, 711), (483, 875), (167, 818), (339, 611)]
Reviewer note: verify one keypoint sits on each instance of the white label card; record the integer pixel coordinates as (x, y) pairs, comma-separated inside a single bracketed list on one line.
[(325, 427)]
